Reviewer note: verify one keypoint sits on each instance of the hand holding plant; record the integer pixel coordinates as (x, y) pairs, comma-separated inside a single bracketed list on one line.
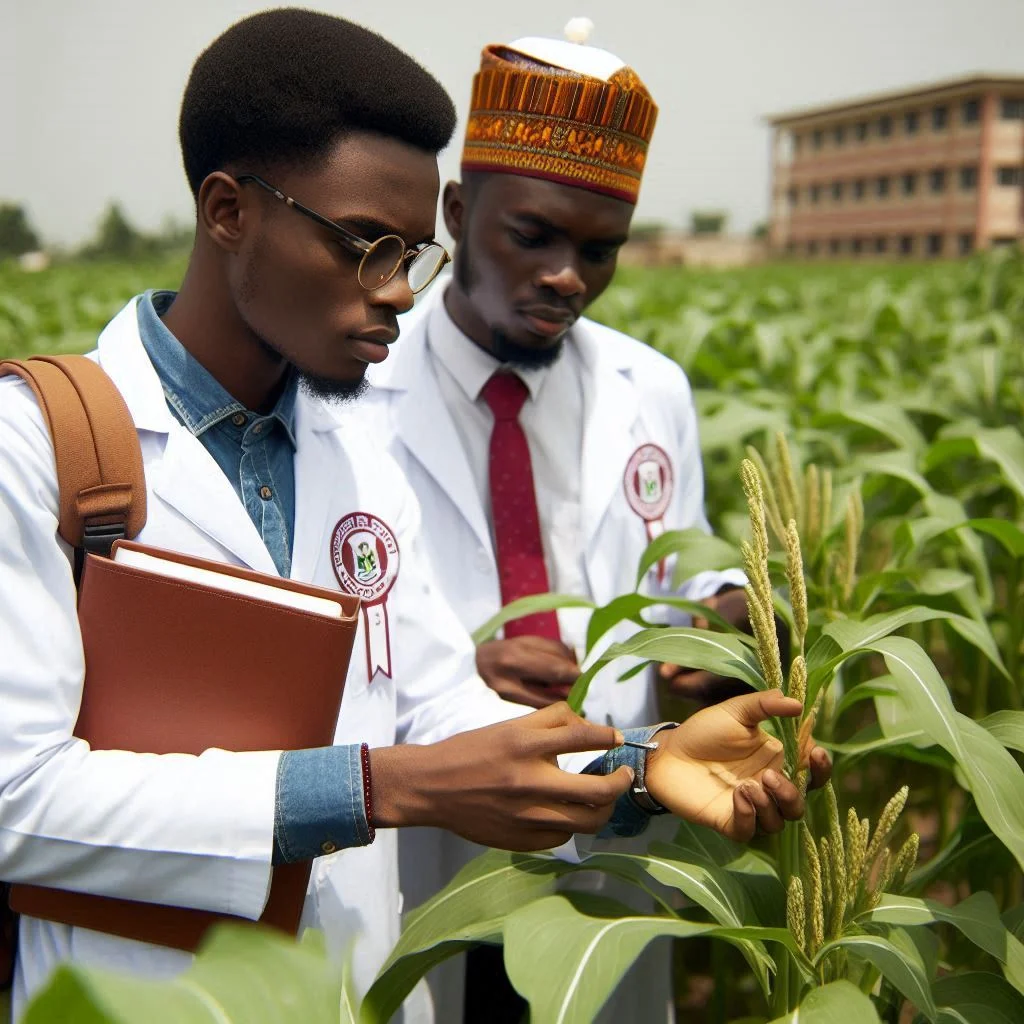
[(720, 769)]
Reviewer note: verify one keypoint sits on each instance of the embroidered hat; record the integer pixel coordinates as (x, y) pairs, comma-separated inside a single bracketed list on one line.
[(560, 110)]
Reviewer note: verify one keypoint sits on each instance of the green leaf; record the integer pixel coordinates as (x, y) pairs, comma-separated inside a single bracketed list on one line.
[(240, 974), (470, 909), (628, 607), (1007, 727), (1009, 535), (566, 953), (722, 653), (882, 417), (527, 606), (837, 1003), (692, 551), (977, 998), (1002, 445), (897, 958), (707, 885), (880, 687), (995, 778), (846, 635), (976, 917)]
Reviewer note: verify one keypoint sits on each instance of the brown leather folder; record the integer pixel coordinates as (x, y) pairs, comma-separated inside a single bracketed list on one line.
[(180, 667)]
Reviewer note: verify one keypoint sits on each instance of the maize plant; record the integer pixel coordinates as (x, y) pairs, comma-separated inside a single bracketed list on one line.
[(880, 520)]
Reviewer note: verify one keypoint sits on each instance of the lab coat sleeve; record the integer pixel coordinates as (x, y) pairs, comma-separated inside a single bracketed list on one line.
[(176, 829), (438, 690), (687, 509)]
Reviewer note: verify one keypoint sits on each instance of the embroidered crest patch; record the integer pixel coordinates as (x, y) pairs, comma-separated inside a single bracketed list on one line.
[(365, 557), (648, 482)]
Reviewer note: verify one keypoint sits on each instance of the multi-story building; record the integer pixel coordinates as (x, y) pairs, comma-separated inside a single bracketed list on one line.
[(936, 170)]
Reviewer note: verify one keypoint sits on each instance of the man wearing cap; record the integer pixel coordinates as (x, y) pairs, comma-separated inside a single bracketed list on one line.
[(546, 450)]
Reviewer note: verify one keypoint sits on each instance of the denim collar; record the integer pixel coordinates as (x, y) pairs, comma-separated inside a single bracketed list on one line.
[(191, 391)]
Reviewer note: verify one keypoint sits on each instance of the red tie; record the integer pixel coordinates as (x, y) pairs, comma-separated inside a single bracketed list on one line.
[(514, 507)]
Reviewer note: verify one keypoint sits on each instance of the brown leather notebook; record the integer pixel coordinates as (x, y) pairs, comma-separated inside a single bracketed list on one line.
[(178, 666)]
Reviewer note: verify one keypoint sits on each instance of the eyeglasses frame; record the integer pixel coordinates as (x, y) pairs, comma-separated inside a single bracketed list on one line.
[(355, 244)]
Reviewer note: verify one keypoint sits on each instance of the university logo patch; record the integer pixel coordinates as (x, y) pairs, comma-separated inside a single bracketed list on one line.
[(365, 556), (648, 482)]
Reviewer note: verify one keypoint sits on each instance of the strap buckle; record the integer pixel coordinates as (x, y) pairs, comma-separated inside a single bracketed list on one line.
[(99, 538)]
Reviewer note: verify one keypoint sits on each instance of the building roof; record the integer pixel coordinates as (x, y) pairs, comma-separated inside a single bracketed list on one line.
[(892, 97)]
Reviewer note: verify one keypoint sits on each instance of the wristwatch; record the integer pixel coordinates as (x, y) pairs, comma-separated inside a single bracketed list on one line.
[(643, 799)]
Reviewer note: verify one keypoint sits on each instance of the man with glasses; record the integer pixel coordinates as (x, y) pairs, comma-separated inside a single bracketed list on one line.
[(310, 145)]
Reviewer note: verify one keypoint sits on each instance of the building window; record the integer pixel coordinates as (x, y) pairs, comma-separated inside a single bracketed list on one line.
[(1011, 176), (1012, 108), (907, 245), (881, 243), (860, 130), (793, 194), (965, 243), (972, 111), (798, 141), (935, 245), (835, 246), (837, 190), (839, 135), (940, 119), (791, 247), (857, 246), (909, 183), (968, 178), (882, 187), (911, 122), (815, 193), (937, 180), (818, 138), (860, 186), (884, 126), (812, 248)]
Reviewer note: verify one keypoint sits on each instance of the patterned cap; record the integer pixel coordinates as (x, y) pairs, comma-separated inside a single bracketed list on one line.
[(568, 113)]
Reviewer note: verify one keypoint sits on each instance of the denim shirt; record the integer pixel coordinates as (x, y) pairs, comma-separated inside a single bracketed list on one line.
[(319, 805)]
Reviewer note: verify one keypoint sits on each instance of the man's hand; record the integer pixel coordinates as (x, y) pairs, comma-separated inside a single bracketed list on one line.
[(501, 786), (720, 769), (530, 670), (697, 684)]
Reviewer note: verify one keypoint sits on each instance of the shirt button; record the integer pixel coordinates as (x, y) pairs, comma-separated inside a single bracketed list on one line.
[(239, 419), (266, 493), (328, 847), (258, 429)]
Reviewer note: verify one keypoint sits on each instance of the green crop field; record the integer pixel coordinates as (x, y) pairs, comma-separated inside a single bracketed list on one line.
[(880, 510)]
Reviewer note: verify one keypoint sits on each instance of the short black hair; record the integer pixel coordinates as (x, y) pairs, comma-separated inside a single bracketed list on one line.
[(284, 85)]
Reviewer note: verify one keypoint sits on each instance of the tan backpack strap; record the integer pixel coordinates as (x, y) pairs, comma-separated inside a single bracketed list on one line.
[(100, 474)]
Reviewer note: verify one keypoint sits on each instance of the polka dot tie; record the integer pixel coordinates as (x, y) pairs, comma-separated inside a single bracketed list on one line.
[(521, 565)]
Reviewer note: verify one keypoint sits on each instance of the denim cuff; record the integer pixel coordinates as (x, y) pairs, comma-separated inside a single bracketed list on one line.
[(321, 805), (629, 818)]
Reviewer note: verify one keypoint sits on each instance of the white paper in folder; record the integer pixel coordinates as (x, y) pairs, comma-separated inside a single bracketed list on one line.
[(146, 562)]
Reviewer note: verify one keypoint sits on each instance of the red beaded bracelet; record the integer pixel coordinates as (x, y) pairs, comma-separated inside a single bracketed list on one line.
[(364, 753)]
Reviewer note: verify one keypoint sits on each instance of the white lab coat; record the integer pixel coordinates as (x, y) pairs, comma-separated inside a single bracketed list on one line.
[(633, 396), (197, 831)]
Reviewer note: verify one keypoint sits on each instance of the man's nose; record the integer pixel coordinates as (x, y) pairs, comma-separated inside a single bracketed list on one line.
[(396, 293), (566, 280)]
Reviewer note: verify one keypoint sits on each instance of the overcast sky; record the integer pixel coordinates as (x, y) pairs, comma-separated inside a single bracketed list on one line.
[(89, 89)]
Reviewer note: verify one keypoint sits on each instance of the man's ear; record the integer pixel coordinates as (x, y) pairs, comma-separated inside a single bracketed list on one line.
[(453, 206), (222, 212)]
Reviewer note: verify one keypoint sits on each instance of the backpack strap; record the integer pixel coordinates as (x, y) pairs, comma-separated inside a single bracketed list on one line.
[(100, 475)]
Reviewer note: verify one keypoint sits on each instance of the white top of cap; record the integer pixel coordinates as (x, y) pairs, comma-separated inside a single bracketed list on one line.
[(584, 60)]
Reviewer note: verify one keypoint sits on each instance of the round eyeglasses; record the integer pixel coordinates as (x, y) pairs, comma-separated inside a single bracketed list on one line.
[(380, 259)]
